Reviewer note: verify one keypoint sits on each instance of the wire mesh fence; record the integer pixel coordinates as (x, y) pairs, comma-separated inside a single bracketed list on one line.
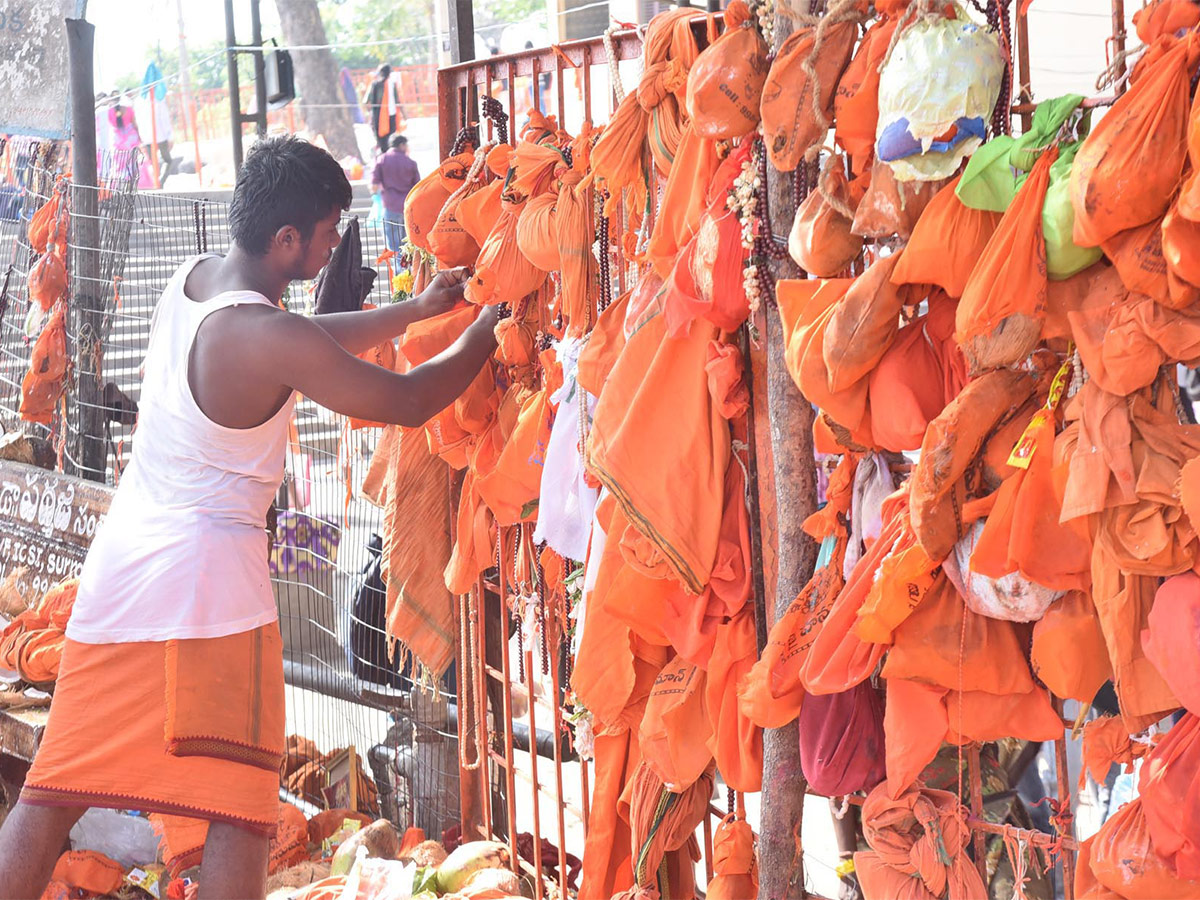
[(346, 688)]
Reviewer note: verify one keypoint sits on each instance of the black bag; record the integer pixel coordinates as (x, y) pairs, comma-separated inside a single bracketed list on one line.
[(368, 628)]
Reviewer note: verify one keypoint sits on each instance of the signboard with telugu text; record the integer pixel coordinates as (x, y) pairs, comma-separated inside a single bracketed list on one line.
[(47, 522), (35, 96)]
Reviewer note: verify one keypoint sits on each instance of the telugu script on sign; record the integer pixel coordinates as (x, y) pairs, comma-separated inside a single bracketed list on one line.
[(34, 92)]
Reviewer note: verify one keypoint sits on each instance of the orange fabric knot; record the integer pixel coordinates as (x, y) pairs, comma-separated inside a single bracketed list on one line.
[(736, 13)]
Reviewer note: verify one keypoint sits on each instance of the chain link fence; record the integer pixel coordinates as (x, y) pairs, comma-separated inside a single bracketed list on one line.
[(344, 688)]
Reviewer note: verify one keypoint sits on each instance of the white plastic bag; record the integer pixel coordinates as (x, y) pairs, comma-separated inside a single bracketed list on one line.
[(128, 839), (567, 502), (1012, 597), (942, 74), (873, 483)]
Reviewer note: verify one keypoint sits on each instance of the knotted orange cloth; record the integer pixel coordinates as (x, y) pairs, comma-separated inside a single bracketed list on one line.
[(797, 108), (32, 643), (684, 199), (1129, 167), (1068, 654), (411, 484), (652, 114), (1126, 860), (206, 743), (48, 279), (999, 318), (44, 381), (1169, 785), (424, 202), (735, 864), (947, 242), (502, 273), (856, 104), (726, 81), (1164, 17), (676, 504), (664, 824), (1171, 631), (89, 872), (918, 848), (821, 241)]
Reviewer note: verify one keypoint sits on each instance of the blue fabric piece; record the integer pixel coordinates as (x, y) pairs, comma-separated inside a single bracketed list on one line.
[(896, 142), (154, 77)]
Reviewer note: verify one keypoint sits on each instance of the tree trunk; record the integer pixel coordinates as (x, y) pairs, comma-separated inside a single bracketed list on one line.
[(781, 873), (321, 100)]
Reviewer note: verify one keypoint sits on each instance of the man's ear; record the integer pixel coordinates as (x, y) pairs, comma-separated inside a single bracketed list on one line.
[(287, 238)]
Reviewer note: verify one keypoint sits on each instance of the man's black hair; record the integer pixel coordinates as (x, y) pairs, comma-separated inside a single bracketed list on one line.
[(284, 181), (396, 141), (384, 71)]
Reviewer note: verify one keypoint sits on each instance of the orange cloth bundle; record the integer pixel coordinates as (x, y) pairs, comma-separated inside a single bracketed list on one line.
[(952, 443), (449, 240), (736, 742), (891, 208), (999, 319), (503, 274), (707, 278), (577, 265), (856, 104), (412, 486), (49, 226), (947, 241), (479, 211), (1169, 786), (509, 457), (424, 202), (771, 694), (1129, 167), (43, 382), (1125, 860), (807, 308), (726, 81), (864, 324), (32, 643), (735, 864), (921, 372), (665, 849), (677, 503), (797, 109), (1068, 653), (653, 114), (89, 872), (929, 646), (1023, 533), (821, 241), (48, 279), (684, 199), (1165, 17), (536, 231), (676, 730), (1170, 637), (1106, 742), (1124, 340), (607, 866), (918, 849)]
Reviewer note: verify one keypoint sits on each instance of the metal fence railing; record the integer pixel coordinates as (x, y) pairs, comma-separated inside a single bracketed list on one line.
[(344, 690)]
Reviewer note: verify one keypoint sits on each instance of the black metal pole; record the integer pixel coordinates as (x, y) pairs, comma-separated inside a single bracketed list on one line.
[(260, 70), (235, 101), (87, 299)]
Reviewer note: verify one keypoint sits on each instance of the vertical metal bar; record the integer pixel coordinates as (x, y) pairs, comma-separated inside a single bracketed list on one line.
[(585, 782), (708, 854), (557, 643), (587, 83), (87, 303), (482, 694), (462, 30), (472, 782), (536, 91), (974, 776), (260, 69), (1024, 92), (235, 99), (513, 126), (506, 668), (540, 890), (1118, 33), (559, 72), (448, 112), (1064, 803)]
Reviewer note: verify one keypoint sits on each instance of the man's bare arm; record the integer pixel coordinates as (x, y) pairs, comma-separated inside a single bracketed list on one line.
[(359, 331), (305, 357)]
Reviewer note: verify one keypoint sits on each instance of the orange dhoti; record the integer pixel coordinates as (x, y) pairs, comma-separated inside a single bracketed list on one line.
[(190, 729)]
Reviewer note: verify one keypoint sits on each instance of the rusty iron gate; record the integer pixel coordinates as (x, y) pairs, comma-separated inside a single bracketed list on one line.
[(520, 776)]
